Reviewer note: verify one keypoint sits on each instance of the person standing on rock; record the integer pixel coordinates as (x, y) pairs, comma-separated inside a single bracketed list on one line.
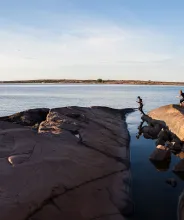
[(182, 97), (140, 105)]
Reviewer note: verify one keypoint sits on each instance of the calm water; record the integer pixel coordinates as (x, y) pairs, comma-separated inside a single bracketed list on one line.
[(154, 199), (15, 98)]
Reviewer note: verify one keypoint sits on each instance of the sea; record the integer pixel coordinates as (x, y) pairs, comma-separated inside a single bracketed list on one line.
[(154, 199)]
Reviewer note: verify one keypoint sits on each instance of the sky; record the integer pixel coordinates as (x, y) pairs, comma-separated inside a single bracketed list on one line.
[(91, 39)]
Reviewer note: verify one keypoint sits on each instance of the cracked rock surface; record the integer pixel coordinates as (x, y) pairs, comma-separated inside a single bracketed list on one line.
[(74, 166)]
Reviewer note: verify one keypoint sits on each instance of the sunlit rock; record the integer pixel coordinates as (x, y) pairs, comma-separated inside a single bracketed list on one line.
[(172, 116)]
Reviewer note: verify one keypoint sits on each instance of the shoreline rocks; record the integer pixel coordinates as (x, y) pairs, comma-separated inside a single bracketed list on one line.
[(50, 173), (160, 155), (172, 116)]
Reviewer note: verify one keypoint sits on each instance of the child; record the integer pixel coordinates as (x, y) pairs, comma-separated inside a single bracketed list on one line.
[(181, 95), (140, 104)]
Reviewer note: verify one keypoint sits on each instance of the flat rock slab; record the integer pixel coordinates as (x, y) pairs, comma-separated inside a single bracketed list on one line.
[(75, 167), (172, 116)]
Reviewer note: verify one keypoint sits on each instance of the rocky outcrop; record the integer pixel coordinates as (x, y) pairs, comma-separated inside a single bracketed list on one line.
[(173, 116), (152, 129), (76, 167), (167, 142), (160, 155)]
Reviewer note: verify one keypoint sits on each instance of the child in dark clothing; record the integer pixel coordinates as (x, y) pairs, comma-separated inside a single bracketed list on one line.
[(181, 95), (140, 104)]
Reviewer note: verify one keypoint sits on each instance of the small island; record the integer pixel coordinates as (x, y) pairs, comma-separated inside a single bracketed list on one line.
[(97, 81)]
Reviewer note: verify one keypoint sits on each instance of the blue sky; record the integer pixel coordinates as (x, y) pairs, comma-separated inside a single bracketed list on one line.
[(90, 39)]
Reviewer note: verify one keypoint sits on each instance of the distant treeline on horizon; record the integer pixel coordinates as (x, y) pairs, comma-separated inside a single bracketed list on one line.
[(98, 81)]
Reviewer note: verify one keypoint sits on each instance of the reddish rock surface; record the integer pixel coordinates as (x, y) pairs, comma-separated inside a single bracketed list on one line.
[(76, 167), (173, 116)]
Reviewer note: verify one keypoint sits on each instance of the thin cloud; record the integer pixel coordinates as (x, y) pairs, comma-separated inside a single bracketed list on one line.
[(81, 52)]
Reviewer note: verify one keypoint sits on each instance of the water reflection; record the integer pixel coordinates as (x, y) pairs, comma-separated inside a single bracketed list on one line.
[(139, 133), (161, 165), (164, 158), (166, 143), (180, 155)]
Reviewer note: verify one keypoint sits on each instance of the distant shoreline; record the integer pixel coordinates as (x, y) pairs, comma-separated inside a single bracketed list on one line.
[(99, 81)]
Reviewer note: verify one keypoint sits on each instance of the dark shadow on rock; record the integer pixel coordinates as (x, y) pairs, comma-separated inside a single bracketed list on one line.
[(123, 112), (31, 117), (179, 169), (161, 166), (180, 175)]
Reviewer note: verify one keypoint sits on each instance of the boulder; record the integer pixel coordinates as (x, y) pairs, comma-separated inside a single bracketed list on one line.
[(161, 165), (172, 116), (161, 147), (177, 146), (151, 131), (160, 155)]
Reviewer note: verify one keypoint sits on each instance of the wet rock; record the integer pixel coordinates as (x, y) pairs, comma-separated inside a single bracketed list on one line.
[(149, 132), (160, 141), (176, 146), (51, 175), (164, 134), (160, 155), (163, 137), (179, 167), (161, 147), (172, 182), (161, 165)]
